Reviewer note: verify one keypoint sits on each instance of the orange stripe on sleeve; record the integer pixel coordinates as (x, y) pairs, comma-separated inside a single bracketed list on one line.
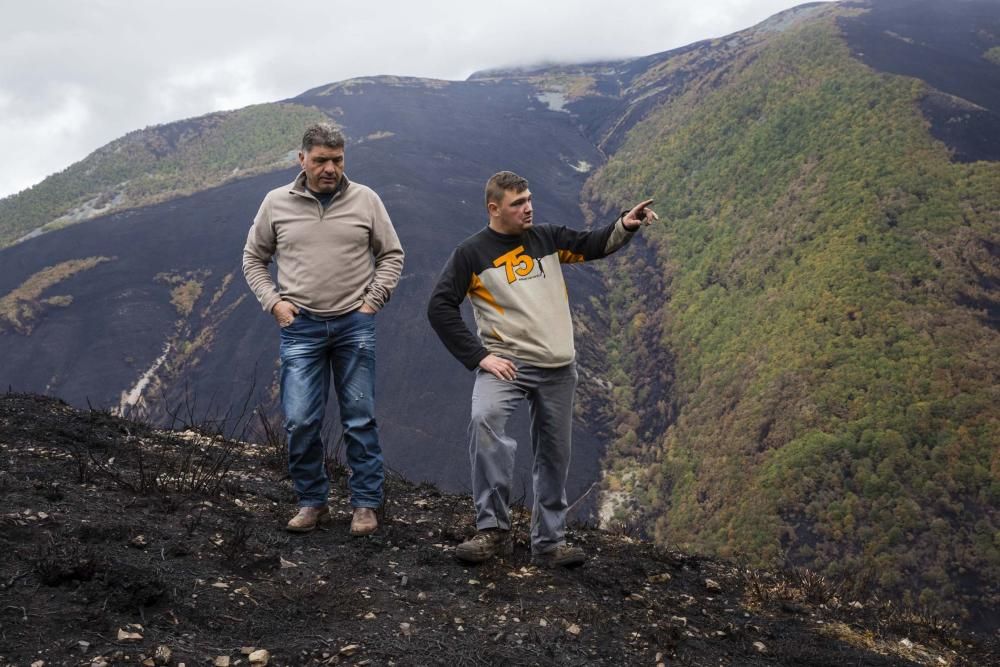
[(478, 289), (569, 257)]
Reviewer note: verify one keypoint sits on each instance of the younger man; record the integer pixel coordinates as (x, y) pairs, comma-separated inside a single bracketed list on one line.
[(511, 271)]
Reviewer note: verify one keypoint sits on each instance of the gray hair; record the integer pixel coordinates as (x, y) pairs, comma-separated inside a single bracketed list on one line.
[(322, 134)]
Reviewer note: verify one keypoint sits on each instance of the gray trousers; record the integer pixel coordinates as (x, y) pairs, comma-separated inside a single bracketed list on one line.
[(550, 408)]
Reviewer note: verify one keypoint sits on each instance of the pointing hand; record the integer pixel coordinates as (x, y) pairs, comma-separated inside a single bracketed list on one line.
[(640, 215)]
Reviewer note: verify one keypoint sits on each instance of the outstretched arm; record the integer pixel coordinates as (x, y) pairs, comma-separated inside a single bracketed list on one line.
[(582, 246)]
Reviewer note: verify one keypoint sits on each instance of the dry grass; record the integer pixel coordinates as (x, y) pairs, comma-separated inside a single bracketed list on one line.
[(21, 307), (187, 288), (184, 296)]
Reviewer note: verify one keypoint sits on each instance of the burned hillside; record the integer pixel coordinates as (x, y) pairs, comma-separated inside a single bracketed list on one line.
[(124, 544)]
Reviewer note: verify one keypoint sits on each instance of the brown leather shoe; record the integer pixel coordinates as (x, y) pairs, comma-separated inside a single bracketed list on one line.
[(308, 518), (485, 545), (563, 555), (364, 521)]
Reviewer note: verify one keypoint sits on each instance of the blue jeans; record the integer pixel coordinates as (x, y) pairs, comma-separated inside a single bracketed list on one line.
[(311, 349)]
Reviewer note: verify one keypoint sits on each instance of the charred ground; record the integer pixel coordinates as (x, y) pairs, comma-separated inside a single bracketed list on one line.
[(124, 544)]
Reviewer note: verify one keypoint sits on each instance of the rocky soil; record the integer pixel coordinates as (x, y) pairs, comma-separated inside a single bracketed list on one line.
[(124, 545)]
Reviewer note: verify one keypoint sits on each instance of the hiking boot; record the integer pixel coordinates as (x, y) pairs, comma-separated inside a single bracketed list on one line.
[(563, 555), (484, 545), (364, 521), (308, 518)]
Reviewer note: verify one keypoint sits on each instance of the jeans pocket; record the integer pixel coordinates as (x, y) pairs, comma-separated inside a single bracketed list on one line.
[(293, 330), (365, 321)]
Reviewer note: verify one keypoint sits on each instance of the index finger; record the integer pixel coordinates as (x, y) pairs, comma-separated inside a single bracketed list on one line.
[(643, 204)]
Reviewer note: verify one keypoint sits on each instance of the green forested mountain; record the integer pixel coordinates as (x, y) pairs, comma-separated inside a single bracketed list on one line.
[(808, 366)]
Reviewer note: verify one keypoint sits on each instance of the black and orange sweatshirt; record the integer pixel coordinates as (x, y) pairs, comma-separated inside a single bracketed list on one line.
[(518, 295)]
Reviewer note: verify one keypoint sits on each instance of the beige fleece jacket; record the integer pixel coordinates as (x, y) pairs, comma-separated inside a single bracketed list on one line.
[(329, 262)]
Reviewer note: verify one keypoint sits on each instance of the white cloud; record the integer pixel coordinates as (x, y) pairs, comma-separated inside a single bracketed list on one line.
[(46, 139), (77, 75), (226, 83)]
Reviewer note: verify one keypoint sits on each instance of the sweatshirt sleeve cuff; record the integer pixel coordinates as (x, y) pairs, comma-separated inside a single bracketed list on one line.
[(474, 360), (621, 221), (268, 303)]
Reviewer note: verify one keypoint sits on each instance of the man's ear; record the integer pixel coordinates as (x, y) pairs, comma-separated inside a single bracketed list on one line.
[(493, 208)]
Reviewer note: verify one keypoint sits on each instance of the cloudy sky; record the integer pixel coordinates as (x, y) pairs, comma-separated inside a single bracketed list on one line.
[(76, 75)]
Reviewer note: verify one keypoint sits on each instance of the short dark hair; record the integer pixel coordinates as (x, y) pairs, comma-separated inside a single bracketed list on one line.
[(322, 134), (501, 182)]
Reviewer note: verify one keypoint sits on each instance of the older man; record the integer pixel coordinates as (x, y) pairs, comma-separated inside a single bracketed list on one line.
[(338, 260), (511, 271)]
